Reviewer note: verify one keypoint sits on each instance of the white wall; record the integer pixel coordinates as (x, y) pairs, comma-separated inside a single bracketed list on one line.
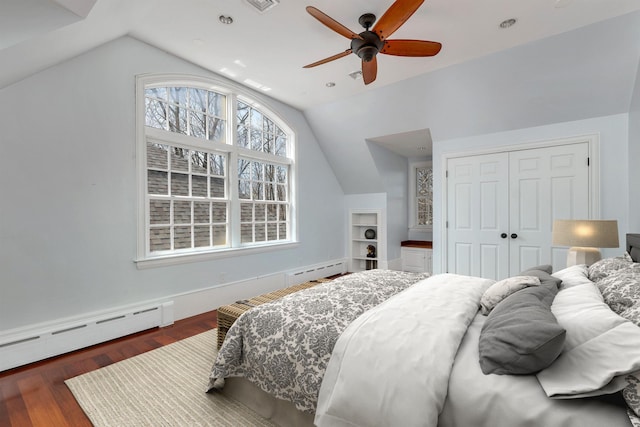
[(614, 182), (393, 170), (68, 186), (634, 158)]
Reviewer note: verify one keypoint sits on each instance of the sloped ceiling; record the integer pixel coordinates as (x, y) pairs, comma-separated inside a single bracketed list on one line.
[(588, 72), (563, 60), (22, 20), (270, 48)]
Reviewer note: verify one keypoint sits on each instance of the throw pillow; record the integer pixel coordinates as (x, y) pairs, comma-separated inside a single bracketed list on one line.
[(521, 335), (543, 272), (547, 268), (621, 292), (502, 289), (573, 276), (599, 347)]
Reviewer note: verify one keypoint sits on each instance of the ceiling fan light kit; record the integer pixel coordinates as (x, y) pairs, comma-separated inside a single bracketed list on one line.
[(369, 43)]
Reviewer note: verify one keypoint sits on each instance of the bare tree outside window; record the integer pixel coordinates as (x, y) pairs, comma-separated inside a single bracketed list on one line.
[(188, 205)]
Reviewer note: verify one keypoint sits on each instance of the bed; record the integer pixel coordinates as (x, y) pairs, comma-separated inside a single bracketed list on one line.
[(383, 348)]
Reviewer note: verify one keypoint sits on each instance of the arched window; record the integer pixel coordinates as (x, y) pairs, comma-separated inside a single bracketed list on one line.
[(216, 171)]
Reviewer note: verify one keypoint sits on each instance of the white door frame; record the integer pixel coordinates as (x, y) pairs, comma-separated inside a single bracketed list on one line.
[(594, 177)]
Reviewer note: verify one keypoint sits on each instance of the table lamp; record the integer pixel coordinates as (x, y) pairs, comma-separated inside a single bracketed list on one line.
[(585, 236)]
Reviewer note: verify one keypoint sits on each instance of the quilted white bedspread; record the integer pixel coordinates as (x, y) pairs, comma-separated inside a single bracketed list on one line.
[(422, 328)]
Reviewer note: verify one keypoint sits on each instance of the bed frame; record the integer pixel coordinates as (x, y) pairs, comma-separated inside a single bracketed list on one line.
[(633, 246), (281, 412)]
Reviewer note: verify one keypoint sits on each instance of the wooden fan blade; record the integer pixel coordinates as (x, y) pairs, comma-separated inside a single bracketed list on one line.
[(395, 16), (332, 23), (369, 70), (329, 59), (411, 48)]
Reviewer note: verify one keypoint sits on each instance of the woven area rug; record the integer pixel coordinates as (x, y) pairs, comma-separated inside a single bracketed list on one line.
[(163, 387)]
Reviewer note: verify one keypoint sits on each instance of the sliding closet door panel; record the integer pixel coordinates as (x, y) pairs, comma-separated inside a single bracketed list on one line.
[(477, 209), (545, 184)]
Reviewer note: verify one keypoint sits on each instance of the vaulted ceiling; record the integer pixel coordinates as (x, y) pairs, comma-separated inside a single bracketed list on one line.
[(268, 49)]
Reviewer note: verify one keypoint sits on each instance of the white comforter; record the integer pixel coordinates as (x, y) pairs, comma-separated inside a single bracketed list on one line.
[(433, 314)]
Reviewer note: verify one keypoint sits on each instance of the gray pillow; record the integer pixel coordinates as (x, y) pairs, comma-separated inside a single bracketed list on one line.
[(502, 289), (543, 272), (521, 335), (547, 268)]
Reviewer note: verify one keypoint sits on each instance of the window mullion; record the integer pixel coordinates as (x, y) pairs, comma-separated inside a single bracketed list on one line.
[(190, 191), (233, 218), (180, 131), (234, 201)]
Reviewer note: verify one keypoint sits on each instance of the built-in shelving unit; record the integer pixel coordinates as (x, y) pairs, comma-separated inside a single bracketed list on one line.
[(366, 239)]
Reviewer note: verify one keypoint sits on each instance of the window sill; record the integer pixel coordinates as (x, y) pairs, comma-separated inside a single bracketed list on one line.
[(167, 260)]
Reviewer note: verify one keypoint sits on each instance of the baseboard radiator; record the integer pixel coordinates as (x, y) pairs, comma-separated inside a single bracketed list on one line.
[(315, 272), (20, 347)]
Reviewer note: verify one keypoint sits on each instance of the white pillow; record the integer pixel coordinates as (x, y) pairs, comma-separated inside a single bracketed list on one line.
[(599, 345), (573, 276), (502, 289)]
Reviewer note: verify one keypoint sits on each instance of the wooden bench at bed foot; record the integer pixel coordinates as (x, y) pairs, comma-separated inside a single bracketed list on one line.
[(228, 314)]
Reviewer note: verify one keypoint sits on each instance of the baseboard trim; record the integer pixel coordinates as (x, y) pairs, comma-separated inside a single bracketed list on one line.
[(36, 342)]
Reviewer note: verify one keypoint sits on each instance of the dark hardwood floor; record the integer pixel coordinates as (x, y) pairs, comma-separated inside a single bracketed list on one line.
[(35, 394)]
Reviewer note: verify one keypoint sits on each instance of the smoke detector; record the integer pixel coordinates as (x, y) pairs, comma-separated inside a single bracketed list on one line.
[(263, 5)]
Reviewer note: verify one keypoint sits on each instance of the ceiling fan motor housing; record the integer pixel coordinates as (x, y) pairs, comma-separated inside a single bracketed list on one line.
[(368, 47)]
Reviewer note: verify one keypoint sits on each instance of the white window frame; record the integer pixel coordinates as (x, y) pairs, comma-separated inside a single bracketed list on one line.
[(144, 258), (413, 207)]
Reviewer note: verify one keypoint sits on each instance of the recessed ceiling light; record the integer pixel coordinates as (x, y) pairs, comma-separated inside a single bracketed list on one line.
[(225, 19), (228, 72), (508, 23), (330, 84), (253, 83)]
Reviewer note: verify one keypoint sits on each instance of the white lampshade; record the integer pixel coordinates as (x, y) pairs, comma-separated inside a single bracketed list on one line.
[(585, 238)]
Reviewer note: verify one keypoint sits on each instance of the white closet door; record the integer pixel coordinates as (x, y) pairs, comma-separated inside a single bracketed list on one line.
[(501, 207), (545, 184), (478, 215)]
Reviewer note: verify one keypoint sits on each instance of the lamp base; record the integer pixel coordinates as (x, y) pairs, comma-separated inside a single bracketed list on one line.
[(581, 255)]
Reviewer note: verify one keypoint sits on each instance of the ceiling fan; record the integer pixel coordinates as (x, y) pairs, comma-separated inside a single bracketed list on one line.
[(369, 43)]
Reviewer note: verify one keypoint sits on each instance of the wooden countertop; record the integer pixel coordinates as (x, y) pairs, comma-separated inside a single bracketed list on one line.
[(424, 244)]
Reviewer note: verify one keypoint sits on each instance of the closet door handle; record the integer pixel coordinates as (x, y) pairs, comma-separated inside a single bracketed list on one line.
[(503, 235), (514, 236)]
